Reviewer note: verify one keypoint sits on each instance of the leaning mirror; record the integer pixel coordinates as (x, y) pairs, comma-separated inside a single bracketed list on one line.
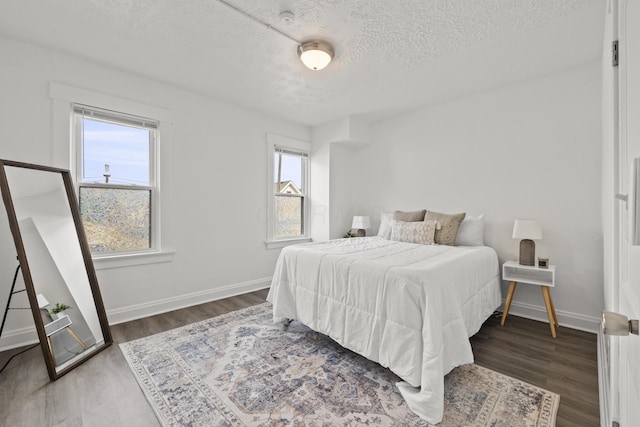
[(56, 264)]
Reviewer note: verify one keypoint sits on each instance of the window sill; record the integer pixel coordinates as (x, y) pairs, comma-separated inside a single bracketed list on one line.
[(277, 244), (129, 260)]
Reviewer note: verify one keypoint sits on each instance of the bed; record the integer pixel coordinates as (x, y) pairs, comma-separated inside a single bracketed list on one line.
[(409, 307)]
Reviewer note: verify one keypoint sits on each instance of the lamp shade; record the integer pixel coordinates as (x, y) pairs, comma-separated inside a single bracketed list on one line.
[(361, 222), (315, 54), (526, 229), (42, 301)]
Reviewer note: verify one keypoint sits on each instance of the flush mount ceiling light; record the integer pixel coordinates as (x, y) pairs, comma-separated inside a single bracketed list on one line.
[(315, 54)]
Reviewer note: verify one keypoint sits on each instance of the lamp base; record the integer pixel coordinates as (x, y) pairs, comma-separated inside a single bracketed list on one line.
[(362, 232), (527, 252)]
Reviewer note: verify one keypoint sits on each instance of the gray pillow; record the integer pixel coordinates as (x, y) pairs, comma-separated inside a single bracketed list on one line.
[(450, 225), (409, 216)]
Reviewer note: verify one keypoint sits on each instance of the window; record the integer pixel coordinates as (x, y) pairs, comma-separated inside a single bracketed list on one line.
[(115, 173), (289, 193), (289, 205)]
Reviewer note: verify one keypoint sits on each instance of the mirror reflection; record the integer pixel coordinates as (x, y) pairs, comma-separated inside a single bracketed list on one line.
[(56, 264)]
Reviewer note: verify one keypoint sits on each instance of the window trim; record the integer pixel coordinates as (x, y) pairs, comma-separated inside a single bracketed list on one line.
[(295, 146), (123, 119), (63, 156)]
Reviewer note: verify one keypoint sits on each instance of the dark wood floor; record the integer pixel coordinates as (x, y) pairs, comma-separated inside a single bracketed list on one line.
[(566, 365), (103, 391)]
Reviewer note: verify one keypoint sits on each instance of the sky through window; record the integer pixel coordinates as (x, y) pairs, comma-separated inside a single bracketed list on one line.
[(124, 148)]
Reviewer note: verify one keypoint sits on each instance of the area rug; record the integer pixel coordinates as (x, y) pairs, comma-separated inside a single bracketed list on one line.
[(241, 369)]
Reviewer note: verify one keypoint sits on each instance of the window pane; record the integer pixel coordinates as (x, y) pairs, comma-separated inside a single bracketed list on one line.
[(288, 216), (124, 148), (287, 175), (116, 219)]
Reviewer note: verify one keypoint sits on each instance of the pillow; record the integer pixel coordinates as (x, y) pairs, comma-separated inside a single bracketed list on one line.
[(414, 232), (385, 225), (450, 225), (471, 231), (409, 216)]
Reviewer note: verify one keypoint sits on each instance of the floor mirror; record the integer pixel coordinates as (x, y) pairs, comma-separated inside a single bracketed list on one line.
[(56, 264)]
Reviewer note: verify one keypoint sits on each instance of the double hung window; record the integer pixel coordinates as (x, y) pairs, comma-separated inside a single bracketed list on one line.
[(288, 189), (289, 192), (116, 178)]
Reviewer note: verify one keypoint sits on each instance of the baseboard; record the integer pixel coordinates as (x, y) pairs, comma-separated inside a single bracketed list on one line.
[(18, 338), (565, 318), (151, 308), (27, 335)]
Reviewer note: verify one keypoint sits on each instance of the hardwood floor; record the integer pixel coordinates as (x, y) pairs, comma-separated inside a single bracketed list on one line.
[(566, 365), (103, 391)]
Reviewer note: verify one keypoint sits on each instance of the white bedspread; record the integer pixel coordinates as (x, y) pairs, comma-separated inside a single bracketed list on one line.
[(409, 307)]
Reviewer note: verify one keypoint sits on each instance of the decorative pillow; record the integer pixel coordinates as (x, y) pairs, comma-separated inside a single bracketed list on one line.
[(450, 225), (385, 225), (471, 231), (409, 216), (414, 232)]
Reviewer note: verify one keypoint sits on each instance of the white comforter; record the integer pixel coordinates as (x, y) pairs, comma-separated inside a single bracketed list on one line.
[(409, 307)]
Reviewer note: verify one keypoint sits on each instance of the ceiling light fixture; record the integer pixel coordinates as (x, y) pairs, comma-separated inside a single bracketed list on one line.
[(315, 54)]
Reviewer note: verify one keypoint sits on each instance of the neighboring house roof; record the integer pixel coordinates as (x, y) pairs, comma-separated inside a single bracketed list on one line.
[(286, 187)]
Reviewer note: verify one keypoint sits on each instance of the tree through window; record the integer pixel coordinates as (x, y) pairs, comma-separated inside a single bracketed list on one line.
[(116, 179)]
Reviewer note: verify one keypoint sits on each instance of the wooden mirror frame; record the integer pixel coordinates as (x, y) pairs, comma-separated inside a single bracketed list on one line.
[(26, 272)]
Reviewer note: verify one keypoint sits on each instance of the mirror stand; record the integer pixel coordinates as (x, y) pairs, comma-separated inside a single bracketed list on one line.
[(12, 292), (6, 312)]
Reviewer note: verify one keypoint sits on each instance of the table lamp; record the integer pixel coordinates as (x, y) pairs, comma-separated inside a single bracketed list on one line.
[(361, 223), (527, 230), (42, 301)]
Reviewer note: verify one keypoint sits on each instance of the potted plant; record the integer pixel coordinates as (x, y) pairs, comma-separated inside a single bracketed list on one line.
[(58, 310), (349, 234)]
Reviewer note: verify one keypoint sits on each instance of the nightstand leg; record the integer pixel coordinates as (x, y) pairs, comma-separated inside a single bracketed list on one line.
[(53, 356), (551, 312), (507, 304), (73, 334)]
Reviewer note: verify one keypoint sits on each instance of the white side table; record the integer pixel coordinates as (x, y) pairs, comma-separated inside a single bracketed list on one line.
[(543, 277)]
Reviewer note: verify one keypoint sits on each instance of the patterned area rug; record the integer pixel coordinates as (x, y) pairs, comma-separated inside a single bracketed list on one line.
[(241, 369)]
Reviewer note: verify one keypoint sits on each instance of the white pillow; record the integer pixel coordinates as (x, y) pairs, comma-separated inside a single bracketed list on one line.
[(385, 225), (471, 231), (422, 232)]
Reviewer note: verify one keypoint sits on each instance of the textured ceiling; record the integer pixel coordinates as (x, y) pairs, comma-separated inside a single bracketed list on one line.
[(391, 55)]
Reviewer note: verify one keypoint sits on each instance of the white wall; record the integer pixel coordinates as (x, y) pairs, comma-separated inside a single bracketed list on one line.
[(527, 150), (332, 165), (217, 193), (530, 150)]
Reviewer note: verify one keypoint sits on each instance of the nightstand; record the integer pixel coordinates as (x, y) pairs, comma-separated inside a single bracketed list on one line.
[(543, 277), (59, 324)]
